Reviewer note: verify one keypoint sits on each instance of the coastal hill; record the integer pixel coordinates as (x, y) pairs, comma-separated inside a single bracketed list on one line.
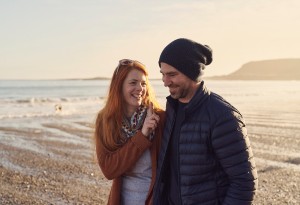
[(279, 69)]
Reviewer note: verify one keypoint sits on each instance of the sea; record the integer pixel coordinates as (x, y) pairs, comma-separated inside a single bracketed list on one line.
[(34, 99)]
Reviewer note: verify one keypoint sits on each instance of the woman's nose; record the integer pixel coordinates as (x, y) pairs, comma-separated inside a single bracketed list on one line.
[(139, 86)]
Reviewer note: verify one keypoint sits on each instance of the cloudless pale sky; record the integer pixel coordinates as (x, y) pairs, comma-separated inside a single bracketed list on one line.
[(56, 39)]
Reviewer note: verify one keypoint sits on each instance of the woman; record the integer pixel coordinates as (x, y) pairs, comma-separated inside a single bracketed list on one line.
[(128, 131)]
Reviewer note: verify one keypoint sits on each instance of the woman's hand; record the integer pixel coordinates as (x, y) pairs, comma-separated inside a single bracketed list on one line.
[(151, 121)]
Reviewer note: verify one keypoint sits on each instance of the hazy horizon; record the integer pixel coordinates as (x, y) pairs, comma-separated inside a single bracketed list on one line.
[(73, 39)]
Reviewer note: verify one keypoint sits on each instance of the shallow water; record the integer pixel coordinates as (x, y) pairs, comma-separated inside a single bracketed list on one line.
[(270, 108)]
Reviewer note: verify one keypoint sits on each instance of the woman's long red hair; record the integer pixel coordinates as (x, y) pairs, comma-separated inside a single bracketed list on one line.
[(109, 118)]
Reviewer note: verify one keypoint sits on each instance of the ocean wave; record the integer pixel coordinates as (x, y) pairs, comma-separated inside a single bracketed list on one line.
[(43, 114), (26, 115), (41, 100), (42, 107)]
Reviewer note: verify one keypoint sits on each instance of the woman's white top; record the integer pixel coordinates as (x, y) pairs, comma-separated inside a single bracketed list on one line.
[(136, 182)]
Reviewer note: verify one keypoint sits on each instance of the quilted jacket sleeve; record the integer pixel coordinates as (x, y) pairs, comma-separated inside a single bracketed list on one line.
[(232, 149)]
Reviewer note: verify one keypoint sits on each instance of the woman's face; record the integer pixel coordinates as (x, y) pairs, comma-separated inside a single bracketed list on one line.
[(134, 90)]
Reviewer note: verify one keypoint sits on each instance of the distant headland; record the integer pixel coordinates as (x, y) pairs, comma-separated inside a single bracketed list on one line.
[(277, 69), (97, 78)]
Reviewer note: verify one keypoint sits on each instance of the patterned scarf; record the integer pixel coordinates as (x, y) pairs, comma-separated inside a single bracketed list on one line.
[(129, 128)]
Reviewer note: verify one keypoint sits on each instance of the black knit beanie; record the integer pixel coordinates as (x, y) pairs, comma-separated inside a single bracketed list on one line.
[(187, 56)]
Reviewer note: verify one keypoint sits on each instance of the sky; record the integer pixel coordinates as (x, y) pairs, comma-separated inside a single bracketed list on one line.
[(59, 39)]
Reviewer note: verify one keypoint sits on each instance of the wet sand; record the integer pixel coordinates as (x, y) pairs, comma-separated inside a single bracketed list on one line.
[(53, 162)]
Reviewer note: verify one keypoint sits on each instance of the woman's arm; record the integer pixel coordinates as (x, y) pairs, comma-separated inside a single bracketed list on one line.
[(114, 164)]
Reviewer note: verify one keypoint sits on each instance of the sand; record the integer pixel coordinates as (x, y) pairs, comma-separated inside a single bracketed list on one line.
[(54, 163)]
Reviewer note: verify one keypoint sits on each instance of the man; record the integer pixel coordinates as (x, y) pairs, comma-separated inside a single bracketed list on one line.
[(205, 156)]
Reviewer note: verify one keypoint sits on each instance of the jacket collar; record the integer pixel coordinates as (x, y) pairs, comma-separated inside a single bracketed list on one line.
[(200, 96)]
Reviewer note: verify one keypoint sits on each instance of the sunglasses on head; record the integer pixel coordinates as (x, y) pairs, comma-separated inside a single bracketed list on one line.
[(126, 62)]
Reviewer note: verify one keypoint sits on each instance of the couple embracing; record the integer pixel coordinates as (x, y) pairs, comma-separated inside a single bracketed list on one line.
[(195, 152)]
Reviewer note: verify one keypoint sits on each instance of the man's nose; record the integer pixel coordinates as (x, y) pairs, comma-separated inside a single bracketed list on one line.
[(166, 81)]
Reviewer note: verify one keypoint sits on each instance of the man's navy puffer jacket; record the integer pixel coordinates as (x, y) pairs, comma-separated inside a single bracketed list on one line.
[(216, 163)]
